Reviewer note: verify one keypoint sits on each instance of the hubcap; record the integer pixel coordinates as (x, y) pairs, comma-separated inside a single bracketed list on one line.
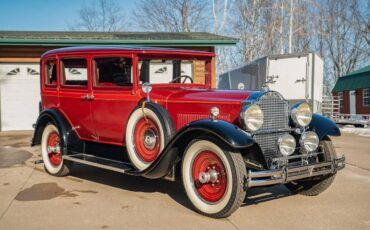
[(53, 149), (150, 139), (209, 176), (147, 140)]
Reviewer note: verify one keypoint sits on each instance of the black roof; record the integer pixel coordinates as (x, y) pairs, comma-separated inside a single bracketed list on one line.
[(139, 49)]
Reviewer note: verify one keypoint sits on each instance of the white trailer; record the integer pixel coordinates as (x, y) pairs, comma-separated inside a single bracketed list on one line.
[(296, 76)]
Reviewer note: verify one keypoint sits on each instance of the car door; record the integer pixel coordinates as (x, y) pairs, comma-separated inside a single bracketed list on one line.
[(75, 95), (114, 97)]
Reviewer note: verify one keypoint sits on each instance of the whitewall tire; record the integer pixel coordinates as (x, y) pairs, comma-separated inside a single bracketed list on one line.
[(146, 136), (51, 147), (213, 177)]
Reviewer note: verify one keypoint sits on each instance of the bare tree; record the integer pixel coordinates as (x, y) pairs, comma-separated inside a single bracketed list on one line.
[(258, 24), (220, 18), (101, 15), (171, 15), (345, 44)]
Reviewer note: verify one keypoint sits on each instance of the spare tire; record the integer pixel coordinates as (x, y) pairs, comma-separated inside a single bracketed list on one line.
[(149, 129)]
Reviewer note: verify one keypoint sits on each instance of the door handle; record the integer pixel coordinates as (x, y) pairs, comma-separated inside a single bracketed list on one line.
[(90, 97), (87, 97)]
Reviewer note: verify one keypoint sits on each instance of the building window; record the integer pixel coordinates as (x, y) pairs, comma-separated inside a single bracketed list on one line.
[(341, 101), (31, 71), (366, 97), (13, 72)]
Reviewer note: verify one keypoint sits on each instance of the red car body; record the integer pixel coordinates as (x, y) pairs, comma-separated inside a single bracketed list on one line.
[(110, 108), (104, 118)]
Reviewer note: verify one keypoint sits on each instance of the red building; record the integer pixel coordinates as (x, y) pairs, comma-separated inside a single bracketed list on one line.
[(353, 90)]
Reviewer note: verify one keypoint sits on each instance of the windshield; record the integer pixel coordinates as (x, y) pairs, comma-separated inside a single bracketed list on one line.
[(165, 71)]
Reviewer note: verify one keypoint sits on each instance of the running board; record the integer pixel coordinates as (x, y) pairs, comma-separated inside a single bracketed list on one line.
[(99, 162)]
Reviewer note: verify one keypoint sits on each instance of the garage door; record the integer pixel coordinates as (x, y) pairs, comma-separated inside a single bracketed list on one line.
[(19, 95)]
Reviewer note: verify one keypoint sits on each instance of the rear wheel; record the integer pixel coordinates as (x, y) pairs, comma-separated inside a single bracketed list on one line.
[(51, 152), (316, 185), (213, 177)]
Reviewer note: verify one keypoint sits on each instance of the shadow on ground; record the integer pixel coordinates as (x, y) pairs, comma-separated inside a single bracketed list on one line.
[(174, 190)]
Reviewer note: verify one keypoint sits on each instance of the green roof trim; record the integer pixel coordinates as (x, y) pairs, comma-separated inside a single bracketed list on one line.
[(358, 79), (44, 38)]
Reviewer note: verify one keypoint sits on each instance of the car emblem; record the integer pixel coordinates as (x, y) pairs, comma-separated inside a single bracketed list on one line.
[(310, 169)]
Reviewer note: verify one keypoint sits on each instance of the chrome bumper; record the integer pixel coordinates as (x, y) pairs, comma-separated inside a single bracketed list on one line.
[(287, 174)]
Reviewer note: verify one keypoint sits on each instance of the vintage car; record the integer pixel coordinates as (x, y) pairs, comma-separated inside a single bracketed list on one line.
[(152, 112)]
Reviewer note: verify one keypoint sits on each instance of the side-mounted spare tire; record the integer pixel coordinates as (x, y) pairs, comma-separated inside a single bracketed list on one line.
[(149, 129)]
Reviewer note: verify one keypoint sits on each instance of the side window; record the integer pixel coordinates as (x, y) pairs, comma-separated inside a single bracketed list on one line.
[(74, 71), (113, 71), (158, 71), (50, 73)]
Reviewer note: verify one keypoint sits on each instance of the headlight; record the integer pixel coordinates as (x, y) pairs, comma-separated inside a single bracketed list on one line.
[(286, 144), (252, 117), (310, 141), (302, 114)]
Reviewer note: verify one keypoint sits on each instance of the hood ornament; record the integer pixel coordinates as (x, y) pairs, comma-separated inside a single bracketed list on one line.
[(265, 88)]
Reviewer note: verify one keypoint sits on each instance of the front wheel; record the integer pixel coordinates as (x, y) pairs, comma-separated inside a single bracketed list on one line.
[(213, 177), (316, 185)]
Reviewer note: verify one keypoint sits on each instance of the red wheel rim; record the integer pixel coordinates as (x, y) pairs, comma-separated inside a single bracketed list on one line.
[(207, 162), (53, 148), (147, 140)]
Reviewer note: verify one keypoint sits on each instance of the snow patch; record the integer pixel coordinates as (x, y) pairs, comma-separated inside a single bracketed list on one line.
[(365, 132)]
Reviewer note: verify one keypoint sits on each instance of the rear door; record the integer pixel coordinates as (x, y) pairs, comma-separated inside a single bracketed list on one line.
[(75, 95)]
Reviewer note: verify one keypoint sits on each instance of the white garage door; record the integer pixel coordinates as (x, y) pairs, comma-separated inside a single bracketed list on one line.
[(19, 95)]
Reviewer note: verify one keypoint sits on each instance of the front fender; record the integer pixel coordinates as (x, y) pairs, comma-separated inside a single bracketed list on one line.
[(230, 134), (227, 132), (323, 126)]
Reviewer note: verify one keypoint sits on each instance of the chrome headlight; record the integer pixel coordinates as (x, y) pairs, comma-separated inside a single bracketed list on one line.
[(252, 117), (310, 141), (301, 114), (286, 144)]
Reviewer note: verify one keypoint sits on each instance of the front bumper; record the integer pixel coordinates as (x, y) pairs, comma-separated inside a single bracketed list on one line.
[(287, 174)]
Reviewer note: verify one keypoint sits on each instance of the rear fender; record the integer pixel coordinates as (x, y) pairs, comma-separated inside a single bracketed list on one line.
[(69, 139)]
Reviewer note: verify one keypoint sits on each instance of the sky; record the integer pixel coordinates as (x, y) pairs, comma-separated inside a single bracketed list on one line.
[(45, 15)]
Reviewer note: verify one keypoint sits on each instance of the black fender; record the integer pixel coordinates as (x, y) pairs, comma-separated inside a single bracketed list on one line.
[(230, 134), (323, 126), (69, 138)]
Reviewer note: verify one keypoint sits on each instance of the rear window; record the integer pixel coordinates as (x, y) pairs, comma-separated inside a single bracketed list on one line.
[(51, 73), (113, 71), (74, 71)]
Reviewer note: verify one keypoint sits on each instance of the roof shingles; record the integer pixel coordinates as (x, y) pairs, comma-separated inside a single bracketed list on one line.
[(119, 38)]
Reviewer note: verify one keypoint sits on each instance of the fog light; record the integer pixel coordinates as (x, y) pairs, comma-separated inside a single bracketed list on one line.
[(286, 144), (310, 141)]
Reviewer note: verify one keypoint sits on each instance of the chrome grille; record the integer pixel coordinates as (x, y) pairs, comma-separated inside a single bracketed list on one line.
[(275, 111)]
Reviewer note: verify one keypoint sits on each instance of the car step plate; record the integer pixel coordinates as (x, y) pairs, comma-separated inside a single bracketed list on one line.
[(99, 162)]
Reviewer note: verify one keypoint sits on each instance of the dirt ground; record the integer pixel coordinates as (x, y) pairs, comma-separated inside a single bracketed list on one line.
[(92, 198)]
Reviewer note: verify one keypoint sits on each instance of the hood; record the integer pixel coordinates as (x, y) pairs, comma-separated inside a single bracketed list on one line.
[(201, 95)]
